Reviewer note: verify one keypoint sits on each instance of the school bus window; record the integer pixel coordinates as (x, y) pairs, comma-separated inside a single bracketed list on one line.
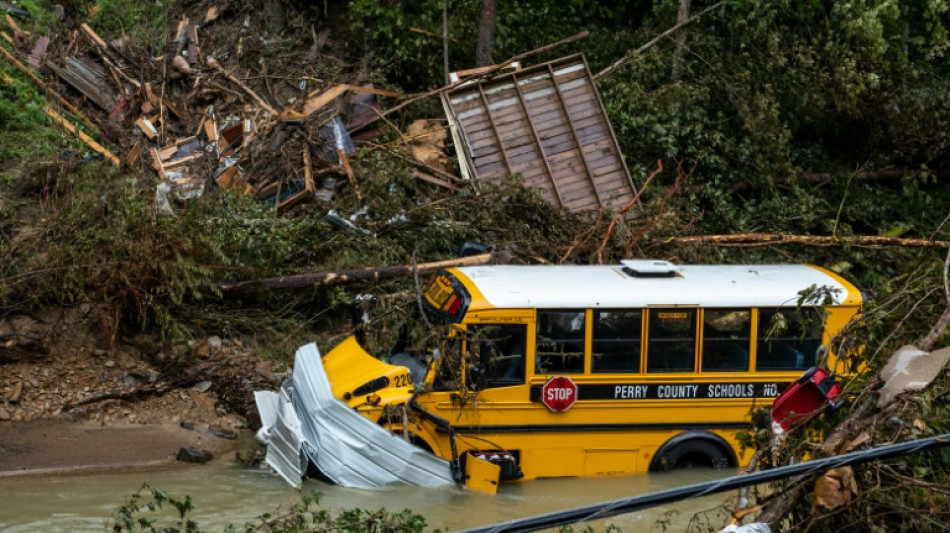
[(788, 339), (560, 343), (497, 353), (726, 340), (671, 340), (616, 344)]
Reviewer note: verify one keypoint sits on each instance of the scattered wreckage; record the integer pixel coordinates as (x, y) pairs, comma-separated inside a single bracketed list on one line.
[(195, 120)]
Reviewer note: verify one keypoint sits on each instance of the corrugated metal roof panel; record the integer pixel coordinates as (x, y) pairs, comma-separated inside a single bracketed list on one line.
[(346, 446)]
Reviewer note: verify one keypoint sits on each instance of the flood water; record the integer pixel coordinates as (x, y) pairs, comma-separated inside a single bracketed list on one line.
[(227, 493)]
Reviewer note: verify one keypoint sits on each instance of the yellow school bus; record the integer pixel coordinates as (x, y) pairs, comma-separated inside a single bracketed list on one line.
[(551, 370)]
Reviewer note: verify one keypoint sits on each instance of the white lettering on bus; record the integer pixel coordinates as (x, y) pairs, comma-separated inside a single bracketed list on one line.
[(731, 390), (560, 394), (677, 391), (631, 391)]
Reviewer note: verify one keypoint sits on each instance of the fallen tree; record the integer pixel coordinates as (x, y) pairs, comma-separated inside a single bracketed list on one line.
[(368, 274)]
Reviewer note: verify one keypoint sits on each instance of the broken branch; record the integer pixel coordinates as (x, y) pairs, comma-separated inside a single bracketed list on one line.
[(260, 101), (673, 29), (368, 274), (768, 239), (488, 71)]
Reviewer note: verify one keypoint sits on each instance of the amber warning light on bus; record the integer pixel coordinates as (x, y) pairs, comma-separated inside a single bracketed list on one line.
[(446, 297)]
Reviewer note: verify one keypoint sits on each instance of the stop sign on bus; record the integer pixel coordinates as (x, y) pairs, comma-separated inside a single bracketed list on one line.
[(559, 394)]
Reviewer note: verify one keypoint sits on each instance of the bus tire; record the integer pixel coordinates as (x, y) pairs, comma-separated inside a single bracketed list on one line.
[(693, 448)]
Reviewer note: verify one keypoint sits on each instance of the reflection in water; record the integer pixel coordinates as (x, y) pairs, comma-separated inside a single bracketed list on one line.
[(224, 493)]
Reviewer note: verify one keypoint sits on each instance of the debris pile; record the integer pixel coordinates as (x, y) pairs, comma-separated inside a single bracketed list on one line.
[(192, 120), (205, 111)]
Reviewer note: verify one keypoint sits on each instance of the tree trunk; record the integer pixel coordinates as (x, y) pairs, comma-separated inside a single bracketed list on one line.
[(368, 274), (681, 17), (486, 33)]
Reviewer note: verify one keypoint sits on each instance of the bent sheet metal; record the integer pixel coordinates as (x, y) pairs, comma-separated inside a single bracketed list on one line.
[(306, 422)]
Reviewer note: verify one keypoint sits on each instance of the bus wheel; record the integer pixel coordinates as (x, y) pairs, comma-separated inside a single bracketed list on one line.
[(703, 450)]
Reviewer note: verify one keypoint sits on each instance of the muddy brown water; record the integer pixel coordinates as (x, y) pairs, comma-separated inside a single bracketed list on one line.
[(227, 493)]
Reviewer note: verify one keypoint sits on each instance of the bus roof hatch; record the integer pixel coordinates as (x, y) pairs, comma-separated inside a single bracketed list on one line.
[(649, 268)]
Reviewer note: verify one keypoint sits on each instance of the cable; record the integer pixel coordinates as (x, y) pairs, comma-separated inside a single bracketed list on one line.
[(628, 505)]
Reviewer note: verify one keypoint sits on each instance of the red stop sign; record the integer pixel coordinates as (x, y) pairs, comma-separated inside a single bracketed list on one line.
[(559, 394)]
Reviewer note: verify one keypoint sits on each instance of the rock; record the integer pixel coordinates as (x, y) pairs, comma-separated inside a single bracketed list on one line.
[(203, 386), (15, 395), (214, 341), (4, 415), (99, 353), (194, 455), (110, 363), (187, 425), (135, 378)]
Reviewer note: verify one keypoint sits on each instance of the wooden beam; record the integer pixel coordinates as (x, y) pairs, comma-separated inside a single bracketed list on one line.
[(82, 136)]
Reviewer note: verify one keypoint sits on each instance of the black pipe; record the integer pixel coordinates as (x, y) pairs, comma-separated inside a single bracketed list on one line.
[(628, 505)]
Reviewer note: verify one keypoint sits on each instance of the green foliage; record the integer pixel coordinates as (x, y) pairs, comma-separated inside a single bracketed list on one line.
[(22, 120), (145, 22), (407, 36), (145, 511)]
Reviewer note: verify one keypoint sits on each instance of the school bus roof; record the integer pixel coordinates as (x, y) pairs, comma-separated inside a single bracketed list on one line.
[(609, 286)]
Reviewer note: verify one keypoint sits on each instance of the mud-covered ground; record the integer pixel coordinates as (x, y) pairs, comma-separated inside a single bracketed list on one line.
[(40, 433)]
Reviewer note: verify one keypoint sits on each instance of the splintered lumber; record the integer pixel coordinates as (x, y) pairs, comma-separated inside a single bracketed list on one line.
[(368, 274), (769, 239), (260, 101), (314, 103), (82, 136)]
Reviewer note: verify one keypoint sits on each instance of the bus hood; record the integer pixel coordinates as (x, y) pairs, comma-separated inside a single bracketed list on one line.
[(308, 422), (363, 381)]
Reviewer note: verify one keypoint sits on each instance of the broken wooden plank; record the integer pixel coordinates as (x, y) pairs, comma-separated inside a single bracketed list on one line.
[(429, 178), (157, 163), (82, 136), (313, 104), (210, 129), (147, 128), (232, 179), (93, 35), (349, 172), (88, 79), (135, 154)]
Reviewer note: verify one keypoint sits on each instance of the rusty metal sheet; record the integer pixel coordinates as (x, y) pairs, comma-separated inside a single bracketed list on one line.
[(546, 123)]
